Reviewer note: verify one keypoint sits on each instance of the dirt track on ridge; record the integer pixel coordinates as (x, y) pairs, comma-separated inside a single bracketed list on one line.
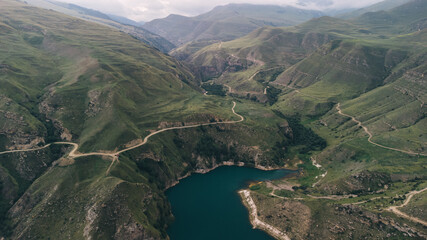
[(115, 155)]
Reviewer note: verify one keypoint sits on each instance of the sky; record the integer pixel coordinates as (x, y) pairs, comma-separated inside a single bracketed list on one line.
[(146, 10)]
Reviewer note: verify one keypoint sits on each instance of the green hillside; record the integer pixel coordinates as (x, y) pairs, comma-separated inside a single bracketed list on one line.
[(119, 23), (381, 6), (86, 77), (407, 18), (247, 64)]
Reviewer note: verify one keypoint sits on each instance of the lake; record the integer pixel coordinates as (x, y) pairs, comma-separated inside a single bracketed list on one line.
[(207, 206)]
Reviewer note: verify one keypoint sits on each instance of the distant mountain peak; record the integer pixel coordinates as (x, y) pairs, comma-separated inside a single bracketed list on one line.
[(227, 22)]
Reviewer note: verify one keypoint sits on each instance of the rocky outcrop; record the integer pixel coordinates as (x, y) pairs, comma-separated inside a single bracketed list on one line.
[(18, 126)]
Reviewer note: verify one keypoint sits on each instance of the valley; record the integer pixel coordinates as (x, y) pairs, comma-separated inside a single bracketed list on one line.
[(298, 123)]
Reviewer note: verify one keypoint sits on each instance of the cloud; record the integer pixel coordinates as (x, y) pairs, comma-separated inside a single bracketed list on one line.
[(316, 3), (145, 10)]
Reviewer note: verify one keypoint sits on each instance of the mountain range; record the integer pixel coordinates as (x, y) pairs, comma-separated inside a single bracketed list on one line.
[(98, 117)]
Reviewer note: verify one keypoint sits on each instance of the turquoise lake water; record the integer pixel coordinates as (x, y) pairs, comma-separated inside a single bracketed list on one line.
[(208, 207)]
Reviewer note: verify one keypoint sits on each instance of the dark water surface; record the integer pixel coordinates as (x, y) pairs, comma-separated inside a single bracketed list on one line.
[(207, 206)]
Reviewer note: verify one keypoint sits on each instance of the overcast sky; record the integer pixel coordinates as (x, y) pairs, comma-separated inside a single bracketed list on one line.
[(146, 10)]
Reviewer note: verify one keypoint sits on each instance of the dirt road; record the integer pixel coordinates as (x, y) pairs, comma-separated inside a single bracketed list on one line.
[(115, 155), (409, 196), (370, 134)]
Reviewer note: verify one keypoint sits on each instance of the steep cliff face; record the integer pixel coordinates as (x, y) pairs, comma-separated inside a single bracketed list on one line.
[(77, 204), (20, 129)]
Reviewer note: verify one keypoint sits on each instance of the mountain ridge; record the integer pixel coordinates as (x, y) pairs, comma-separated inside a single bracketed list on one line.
[(234, 20), (74, 10)]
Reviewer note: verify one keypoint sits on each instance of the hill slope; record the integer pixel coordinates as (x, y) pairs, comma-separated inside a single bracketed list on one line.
[(381, 6), (406, 18), (119, 23), (247, 64)]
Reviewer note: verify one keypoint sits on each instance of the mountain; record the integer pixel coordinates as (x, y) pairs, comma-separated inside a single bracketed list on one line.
[(116, 22), (403, 19), (225, 23), (83, 11), (244, 63), (381, 6), (247, 64)]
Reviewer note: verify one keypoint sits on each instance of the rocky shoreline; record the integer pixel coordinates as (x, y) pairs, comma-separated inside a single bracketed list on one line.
[(249, 203)]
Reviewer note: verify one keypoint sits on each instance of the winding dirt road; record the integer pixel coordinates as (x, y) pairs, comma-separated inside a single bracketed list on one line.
[(26, 150), (394, 209), (409, 196), (230, 90), (115, 155), (359, 123)]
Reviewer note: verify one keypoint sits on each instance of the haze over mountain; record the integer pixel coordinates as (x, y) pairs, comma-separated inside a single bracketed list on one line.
[(226, 22), (154, 9), (381, 6), (95, 125)]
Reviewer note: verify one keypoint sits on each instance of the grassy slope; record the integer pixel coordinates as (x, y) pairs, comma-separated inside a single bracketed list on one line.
[(98, 17), (271, 51), (380, 84), (248, 64), (339, 71), (394, 113), (364, 44), (96, 77), (409, 17), (381, 6)]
